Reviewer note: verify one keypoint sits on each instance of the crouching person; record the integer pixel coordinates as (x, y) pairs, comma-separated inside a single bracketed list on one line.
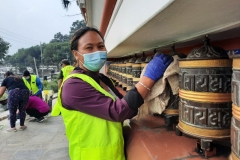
[(37, 108)]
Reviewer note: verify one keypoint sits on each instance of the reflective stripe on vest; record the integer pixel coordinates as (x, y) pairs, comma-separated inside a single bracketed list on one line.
[(67, 70), (90, 137), (33, 84)]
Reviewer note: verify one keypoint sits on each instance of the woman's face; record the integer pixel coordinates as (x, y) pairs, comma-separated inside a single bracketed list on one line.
[(88, 43)]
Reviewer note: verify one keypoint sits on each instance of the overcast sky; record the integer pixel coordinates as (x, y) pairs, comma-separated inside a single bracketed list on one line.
[(25, 23)]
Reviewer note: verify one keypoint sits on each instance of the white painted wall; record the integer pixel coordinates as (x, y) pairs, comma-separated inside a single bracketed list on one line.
[(97, 11), (134, 14)]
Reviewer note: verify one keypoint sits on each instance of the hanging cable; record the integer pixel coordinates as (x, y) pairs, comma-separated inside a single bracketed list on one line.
[(18, 35), (17, 40)]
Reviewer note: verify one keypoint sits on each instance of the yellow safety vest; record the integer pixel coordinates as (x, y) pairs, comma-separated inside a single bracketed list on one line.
[(67, 70), (90, 137), (33, 84)]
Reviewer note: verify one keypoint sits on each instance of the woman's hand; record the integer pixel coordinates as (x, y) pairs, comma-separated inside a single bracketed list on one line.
[(157, 66), (154, 71)]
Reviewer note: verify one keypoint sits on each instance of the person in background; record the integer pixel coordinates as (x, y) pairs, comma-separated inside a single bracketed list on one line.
[(92, 108), (18, 95), (66, 69), (37, 108), (33, 83)]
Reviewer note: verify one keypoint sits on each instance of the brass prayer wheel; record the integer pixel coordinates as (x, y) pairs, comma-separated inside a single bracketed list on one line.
[(205, 93), (118, 73), (148, 59), (124, 74), (172, 107), (121, 63), (136, 69), (111, 71), (129, 73), (235, 123)]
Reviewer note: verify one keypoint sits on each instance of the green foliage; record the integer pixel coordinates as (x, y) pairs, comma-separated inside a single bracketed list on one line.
[(58, 37), (53, 85), (4, 46), (4, 96), (24, 57), (53, 52), (77, 25)]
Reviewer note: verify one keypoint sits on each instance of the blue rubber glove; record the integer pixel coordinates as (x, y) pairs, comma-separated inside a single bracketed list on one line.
[(157, 66)]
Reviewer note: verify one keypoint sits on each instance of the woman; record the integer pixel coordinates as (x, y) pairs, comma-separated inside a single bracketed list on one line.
[(37, 108), (18, 95), (92, 108)]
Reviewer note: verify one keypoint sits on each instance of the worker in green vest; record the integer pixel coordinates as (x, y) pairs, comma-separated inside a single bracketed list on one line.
[(33, 83), (66, 69), (92, 108)]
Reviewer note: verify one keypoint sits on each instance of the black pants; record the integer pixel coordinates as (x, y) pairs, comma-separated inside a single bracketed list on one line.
[(32, 112)]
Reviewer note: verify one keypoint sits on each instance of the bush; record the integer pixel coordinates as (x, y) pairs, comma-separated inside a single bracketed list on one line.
[(53, 85)]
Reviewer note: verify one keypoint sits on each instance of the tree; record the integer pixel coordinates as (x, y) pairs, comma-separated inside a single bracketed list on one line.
[(4, 46), (76, 25), (58, 37), (53, 53)]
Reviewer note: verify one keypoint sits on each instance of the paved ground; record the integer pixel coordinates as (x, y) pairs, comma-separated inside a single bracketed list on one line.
[(40, 141)]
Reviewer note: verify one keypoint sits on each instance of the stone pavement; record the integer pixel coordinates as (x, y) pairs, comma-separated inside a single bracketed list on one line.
[(40, 141)]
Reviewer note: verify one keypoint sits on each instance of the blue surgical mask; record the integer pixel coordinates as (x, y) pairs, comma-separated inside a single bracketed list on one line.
[(94, 61)]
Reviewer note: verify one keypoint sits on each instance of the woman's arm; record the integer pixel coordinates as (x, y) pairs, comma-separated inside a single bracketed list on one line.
[(81, 96), (2, 90)]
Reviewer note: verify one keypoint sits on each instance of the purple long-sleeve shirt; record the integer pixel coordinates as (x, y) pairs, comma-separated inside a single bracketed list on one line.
[(81, 96)]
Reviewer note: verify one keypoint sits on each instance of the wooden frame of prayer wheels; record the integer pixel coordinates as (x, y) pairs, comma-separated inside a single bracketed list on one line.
[(205, 98), (235, 123)]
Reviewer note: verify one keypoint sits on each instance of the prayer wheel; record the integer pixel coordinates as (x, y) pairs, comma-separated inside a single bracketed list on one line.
[(115, 71), (136, 69), (118, 76), (124, 74), (148, 59), (235, 124), (172, 107), (110, 71), (171, 113), (205, 93), (120, 73), (129, 73)]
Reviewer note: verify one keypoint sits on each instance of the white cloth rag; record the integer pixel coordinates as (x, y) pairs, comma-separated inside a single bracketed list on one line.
[(157, 99)]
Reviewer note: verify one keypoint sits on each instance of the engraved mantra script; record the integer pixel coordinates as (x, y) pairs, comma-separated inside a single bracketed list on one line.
[(205, 83), (205, 117), (235, 133), (236, 87)]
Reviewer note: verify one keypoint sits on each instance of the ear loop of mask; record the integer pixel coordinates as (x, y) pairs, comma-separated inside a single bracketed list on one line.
[(80, 60)]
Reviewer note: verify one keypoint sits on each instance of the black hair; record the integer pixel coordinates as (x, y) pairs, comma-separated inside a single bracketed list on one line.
[(8, 73), (16, 77), (26, 73), (79, 33), (65, 61)]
